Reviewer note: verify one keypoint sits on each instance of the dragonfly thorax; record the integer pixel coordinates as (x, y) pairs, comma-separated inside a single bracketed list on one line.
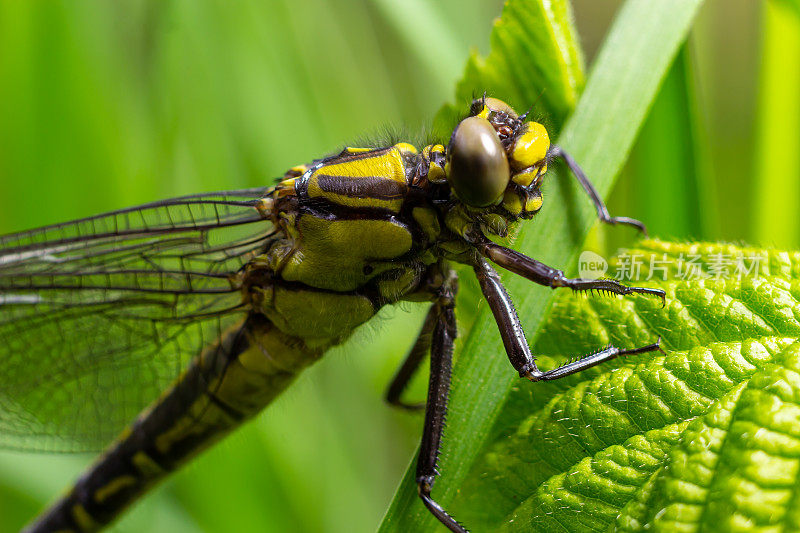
[(371, 223)]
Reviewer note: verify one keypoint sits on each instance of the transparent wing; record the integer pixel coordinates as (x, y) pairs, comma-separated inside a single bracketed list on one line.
[(99, 315)]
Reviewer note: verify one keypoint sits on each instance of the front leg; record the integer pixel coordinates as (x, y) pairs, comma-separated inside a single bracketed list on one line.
[(599, 205), (542, 274), (443, 285), (406, 371), (514, 338)]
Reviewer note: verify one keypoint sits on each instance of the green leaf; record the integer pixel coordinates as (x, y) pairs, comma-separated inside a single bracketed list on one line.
[(706, 437), (534, 58), (640, 47)]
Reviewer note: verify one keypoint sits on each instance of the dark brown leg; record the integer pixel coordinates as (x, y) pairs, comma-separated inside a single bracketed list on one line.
[(580, 175), (412, 362), (542, 274), (514, 338), (443, 336)]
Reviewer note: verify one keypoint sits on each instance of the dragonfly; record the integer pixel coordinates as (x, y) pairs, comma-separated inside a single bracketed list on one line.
[(163, 327)]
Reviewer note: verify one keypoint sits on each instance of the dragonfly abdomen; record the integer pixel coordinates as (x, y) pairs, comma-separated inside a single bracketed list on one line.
[(227, 384)]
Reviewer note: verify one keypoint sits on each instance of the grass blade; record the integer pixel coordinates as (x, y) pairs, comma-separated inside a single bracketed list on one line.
[(669, 160), (777, 189)]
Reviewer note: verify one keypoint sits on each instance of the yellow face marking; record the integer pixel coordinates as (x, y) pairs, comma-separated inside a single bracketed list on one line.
[(531, 147), (524, 179), (512, 202), (433, 149), (113, 487), (534, 203)]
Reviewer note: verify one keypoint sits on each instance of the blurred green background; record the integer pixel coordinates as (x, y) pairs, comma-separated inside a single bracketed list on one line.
[(104, 105)]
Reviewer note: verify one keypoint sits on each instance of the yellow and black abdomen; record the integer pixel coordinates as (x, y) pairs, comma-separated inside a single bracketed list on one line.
[(228, 383)]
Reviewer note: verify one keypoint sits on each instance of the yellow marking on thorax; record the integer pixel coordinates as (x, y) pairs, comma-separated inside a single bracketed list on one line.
[(332, 254), (264, 207), (377, 180), (428, 221), (436, 173), (406, 148), (355, 150)]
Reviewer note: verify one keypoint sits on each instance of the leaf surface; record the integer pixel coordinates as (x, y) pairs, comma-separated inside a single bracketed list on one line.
[(706, 437)]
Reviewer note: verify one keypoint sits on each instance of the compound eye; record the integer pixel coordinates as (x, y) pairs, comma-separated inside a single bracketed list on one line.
[(477, 168)]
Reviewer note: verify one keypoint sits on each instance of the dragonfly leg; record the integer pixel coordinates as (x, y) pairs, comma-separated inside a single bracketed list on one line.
[(442, 337), (439, 283), (542, 274), (602, 210), (412, 362), (514, 337)]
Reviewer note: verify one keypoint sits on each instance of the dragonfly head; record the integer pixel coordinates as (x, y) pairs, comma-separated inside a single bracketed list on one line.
[(496, 159)]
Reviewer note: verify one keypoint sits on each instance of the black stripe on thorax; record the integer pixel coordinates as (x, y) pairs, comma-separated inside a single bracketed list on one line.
[(322, 208), (377, 187)]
